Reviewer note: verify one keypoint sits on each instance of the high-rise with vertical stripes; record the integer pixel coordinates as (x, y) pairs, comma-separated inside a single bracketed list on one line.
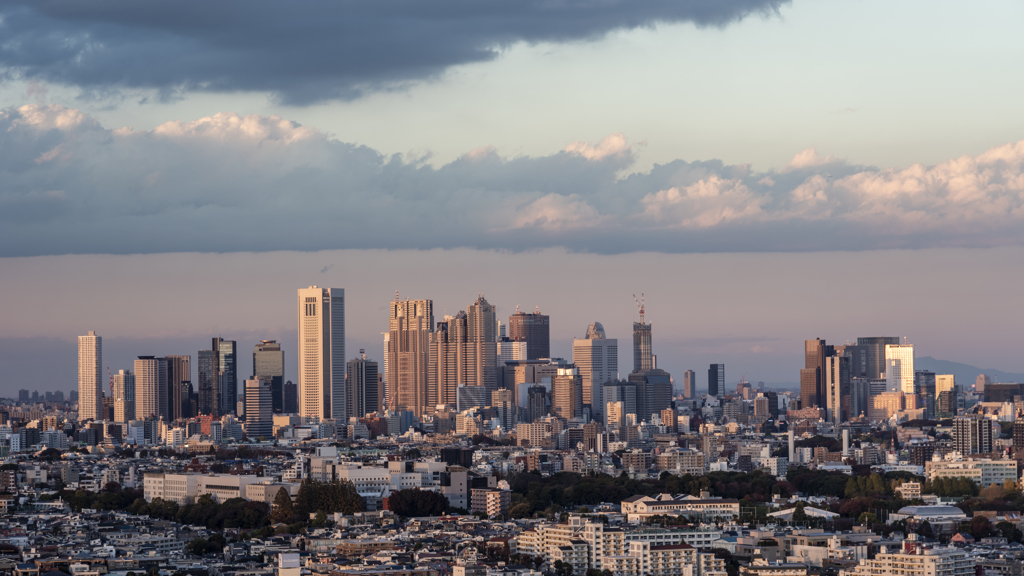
[(90, 377), (410, 323), (321, 352)]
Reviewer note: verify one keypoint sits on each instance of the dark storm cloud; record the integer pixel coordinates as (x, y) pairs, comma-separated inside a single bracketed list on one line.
[(305, 51), (230, 183)]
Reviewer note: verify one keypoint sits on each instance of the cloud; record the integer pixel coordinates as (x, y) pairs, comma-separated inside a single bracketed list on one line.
[(227, 183), (311, 51)]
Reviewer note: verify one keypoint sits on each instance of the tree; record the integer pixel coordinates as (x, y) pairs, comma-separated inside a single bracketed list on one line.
[(798, 514), (413, 453), (320, 520), (283, 509), (415, 503), (925, 529), (866, 518)]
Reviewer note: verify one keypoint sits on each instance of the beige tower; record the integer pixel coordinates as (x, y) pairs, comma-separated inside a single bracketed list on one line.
[(90, 377), (481, 347), (124, 396), (597, 358), (321, 352), (447, 367), (899, 368), (567, 393), (410, 323)]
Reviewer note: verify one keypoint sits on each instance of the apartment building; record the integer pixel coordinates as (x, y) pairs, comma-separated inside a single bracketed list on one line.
[(983, 471), (639, 507), (918, 561)]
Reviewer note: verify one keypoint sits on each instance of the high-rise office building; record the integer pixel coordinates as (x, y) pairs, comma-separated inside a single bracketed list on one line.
[(620, 392), (179, 370), (537, 402), (860, 397), (410, 323), (90, 377), (567, 393), (597, 358), (481, 322), (446, 365), (812, 376), (653, 392), (150, 387), (689, 383), (944, 383), (643, 354), (209, 391), (503, 401), (124, 396), (925, 384), (188, 400), (259, 409), (226, 357), (534, 329), (291, 398), (363, 396), (268, 365), (875, 347), (899, 368), (972, 435), (321, 353), (716, 380), (858, 356), (836, 386)]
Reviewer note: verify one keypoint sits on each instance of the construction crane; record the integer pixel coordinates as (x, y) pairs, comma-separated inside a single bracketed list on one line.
[(640, 305)]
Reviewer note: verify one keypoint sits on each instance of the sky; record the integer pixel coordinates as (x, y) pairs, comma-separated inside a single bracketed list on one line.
[(763, 171)]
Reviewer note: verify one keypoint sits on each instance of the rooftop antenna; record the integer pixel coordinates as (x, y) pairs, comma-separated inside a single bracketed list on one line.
[(396, 295), (517, 308), (536, 309), (640, 305)]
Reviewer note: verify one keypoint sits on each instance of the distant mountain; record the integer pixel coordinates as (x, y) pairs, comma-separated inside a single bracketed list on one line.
[(965, 373)]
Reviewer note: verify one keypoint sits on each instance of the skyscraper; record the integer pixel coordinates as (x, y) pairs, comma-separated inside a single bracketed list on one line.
[(321, 352), (446, 367), (689, 383), (225, 355), (875, 346), (259, 410), (812, 387), (268, 364), (124, 396), (567, 393), (291, 398), (537, 402), (363, 396), (643, 355), (410, 323), (620, 392), (925, 384), (653, 392), (179, 370), (90, 377), (597, 358), (716, 380), (150, 387), (209, 391), (480, 344), (23, 396), (534, 329), (837, 388), (899, 368)]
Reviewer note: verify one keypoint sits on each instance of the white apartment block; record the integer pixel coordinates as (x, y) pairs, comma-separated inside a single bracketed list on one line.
[(918, 562), (983, 471), (185, 488)]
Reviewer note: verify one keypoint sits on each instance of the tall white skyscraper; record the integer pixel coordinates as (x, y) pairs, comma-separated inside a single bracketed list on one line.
[(90, 377), (597, 358), (410, 323), (899, 368), (321, 356)]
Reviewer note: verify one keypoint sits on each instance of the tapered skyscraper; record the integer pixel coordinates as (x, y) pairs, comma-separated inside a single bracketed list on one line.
[(321, 352), (90, 377), (447, 365), (481, 325), (410, 323), (597, 358)]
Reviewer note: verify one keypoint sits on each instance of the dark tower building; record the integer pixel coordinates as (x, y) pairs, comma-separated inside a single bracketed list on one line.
[(209, 393), (268, 365), (716, 380), (362, 386), (224, 352), (291, 398), (876, 353), (812, 376), (536, 402), (533, 329), (179, 370)]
